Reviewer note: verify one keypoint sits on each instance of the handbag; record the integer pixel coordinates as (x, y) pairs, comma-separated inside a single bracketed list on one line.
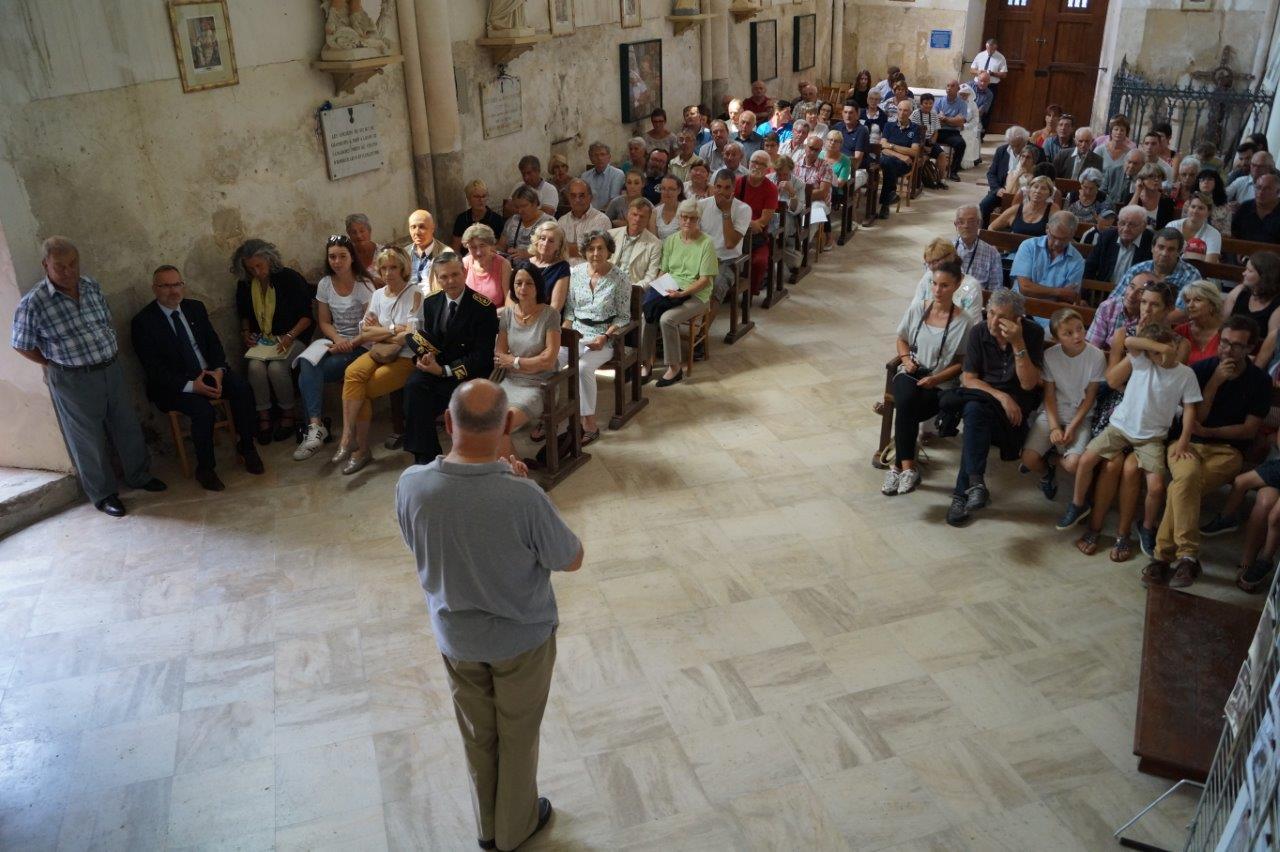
[(385, 352)]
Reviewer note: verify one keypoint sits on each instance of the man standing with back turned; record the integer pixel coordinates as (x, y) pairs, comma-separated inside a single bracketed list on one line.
[(485, 542)]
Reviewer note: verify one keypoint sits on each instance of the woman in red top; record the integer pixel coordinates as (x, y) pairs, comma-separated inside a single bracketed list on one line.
[(761, 195), (1204, 314)]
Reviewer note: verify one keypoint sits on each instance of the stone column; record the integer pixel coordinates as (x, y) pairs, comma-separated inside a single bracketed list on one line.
[(416, 101), (435, 48), (836, 71)]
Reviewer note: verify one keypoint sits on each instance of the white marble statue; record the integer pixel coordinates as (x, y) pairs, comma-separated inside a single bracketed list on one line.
[(506, 19), (349, 32)]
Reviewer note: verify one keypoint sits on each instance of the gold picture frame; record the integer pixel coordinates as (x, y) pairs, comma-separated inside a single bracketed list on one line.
[(201, 31)]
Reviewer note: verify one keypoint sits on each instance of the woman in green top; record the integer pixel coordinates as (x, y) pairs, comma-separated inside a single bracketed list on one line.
[(690, 258), (841, 172)]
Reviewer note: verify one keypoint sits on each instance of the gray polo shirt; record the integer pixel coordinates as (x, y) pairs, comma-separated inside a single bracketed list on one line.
[(485, 542)]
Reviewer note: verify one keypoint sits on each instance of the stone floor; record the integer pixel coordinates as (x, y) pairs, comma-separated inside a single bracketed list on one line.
[(761, 652)]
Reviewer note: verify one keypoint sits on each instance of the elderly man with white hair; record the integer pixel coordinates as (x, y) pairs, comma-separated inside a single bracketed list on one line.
[(978, 259), (747, 137), (1071, 162), (1121, 247), (1118, 181), (1006, 157), (1049, 267), (1241, 189)]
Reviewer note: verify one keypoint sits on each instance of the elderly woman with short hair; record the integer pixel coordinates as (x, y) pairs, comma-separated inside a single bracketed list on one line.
[(487, 271), (637, 154), (1149, 195), (360, 231), (689, 257), (274, 306), (597, 305), (1086, 203), (550, 253)]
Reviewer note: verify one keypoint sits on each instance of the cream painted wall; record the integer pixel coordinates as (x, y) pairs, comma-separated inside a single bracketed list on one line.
[(880, 33)]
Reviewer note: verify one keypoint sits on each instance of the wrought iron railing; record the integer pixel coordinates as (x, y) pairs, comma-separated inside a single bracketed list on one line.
[(1208, 112)]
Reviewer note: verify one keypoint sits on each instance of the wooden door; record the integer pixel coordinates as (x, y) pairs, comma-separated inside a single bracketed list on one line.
[(1052, 47)]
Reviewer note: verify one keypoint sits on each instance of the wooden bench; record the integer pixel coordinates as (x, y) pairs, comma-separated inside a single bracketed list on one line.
[(873, 186), (1241, 249), (775, 289), (628, 390), (738, 300), (803, 237), (849, 202), (1067, 185), (1223, 271), (1008, 241), (561, 406)]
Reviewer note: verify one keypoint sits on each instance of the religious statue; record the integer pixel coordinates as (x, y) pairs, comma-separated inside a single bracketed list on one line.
[(349, 32), (686, 7), (506, 19)]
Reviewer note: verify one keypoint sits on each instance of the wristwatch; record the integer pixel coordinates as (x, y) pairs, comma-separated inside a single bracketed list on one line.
[(1019, 353), (516, 363)]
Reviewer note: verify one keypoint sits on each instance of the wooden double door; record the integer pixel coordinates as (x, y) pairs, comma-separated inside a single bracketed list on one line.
[(1053, 48)]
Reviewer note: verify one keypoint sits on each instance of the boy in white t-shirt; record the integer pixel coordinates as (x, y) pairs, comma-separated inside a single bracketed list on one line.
[(1072, 370), (1157, 383)]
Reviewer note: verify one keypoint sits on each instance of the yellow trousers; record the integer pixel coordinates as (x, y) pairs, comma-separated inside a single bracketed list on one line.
[(366, 379), (1210, 467)]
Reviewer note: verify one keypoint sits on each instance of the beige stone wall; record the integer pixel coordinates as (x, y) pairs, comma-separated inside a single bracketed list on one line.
[(880, 33)]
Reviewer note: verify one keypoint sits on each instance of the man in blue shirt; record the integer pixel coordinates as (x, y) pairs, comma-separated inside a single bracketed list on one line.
[(898, 150), (1049, 267), (856, 137), (779, 122), (952, 112), (983, 98), (604, 178)]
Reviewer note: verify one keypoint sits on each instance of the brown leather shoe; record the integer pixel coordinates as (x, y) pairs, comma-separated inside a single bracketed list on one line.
[(1155, 573), (1185, 572)]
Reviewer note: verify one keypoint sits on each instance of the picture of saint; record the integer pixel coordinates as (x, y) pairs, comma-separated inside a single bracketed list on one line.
[(643, 80), (204, 43)]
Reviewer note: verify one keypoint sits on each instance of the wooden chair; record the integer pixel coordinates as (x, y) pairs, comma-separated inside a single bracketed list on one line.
[(222, 423), (1067, 185), (803, 237), (1223, 271), (1094, 292), (1241, 249), (906, 184), (698, 330), (851, 201), (628, 392), (775, 289), (739, 299), (560, 405), (872, 187)]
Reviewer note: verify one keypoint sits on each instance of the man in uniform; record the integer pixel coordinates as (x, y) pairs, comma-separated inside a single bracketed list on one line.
[(462, 325)]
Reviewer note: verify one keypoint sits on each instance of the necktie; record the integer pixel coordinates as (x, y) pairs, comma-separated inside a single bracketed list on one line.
[(450, 315), (988, 65), (185, 347)]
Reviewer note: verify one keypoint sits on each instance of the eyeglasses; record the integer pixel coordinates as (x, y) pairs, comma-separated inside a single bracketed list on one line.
[(338, 239), (1241, 347)]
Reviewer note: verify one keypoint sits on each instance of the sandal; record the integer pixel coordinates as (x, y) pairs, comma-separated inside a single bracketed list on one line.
[(590, 437), (1122, 550), (1088, 543)]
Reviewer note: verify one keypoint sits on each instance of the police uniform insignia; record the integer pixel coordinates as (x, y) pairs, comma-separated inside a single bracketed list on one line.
[(481, 299), (460, 371)]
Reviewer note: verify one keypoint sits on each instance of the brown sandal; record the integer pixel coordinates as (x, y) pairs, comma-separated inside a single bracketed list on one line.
[(1088, 543), (1122, 550)]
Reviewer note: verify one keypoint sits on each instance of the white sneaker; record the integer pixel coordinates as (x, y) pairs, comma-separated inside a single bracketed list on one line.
[(313, 441), (908, 481), (892, 477)]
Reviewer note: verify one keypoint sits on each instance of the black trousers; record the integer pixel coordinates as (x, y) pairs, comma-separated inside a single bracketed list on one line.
[(912, 405), (891, 168), (954, 140), (425, 398), (988, 205), (239, 396)]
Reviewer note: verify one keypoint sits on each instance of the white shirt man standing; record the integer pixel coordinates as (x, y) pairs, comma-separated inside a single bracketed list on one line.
[(992, 61)]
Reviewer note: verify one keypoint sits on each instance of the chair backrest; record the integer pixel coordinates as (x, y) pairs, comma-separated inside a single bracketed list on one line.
[(1225, 271), (1066, 185), (1045, 308), (1243, 248)]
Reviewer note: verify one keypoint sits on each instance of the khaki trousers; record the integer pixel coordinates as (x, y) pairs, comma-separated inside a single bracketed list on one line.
[(499, 708), (1210, 467)]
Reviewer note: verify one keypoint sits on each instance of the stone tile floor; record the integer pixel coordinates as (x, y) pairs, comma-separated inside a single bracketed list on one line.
[(761, 652)]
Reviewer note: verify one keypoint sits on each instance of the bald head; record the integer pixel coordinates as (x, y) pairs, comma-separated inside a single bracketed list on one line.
[(478, 411), (422, 228)]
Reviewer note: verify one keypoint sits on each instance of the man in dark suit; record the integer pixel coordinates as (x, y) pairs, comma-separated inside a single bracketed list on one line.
[(1070, 162), (1015, 139), (1121, 247), (186, 370), (463, 326)]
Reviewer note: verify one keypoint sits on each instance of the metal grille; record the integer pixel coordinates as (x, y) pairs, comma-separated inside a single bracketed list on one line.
[(1228, 773), (1198, 112)]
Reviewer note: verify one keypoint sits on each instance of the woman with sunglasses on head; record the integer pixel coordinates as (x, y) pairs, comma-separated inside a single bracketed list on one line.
[(342, 297)]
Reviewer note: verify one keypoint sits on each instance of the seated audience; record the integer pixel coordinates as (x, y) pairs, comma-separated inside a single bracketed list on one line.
[(488, 273), (1113, 147), (902, 99), (733, 159), (1148, 195), (978, 259), (813, 171), (1262, 530), (360, 231), (854, 137), (725, 220), (694, 121), (461, 325), (1105, 221), (1207, 154), (790, 194), (931, 338), (637, 155), (1244, 156), (924, 117), (761, 195), (1242, 189), (779, 122), (759, 102), (424, 248), (873, 118), (342, 300), (1000, 387), (684, 156), (1210, 181), (712, 153), (1150, 146), (808, 98), (1030, 216), (983, 98), (658, 136), (583, 217), (597, 306), (528, 217), (1087, 204), (603, 179), (690, 258), (1185, 183), (1259, 218), (1203, 328), (967, 295), (558, 169), (1050, 129), (1005, 158), (1120, 248), (1063, 138), (186, 370), (1115, 314), (1203, 242), (477, 213), (526, 349), (274, 307), (1072, 161), (1167, 265), (391, 317), (771, 147), (639, 252), (885, 87), (748, 139), (1073, 370), (632, 188), (1021, 173), (531, 176), (1120, 181), (857, 95), (794, 147), (953, 114), (698, 186), (898, 150), (654, 171), (549, 254), (670, 194), (1258, 297), (1050, 267)]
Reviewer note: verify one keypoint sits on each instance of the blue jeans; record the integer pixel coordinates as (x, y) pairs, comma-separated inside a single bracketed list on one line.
[(311, 380)]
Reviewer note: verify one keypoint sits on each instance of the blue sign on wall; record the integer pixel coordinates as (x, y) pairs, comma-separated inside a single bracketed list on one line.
[(940, 39)]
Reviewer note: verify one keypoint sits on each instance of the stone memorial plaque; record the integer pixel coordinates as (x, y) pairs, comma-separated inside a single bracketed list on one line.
[(350, 140), (500, 107)]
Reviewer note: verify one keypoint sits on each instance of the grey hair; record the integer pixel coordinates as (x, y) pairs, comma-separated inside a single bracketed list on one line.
[(965, 207), (1005, 298), (479, 231), (733, 145), (1133, 210), (688, 206), (724, 174), (357, 219), (1190, 161), (637, 140), (1092, 175), (255, 248), (57, 245), (1136, 152), (1264, 156), (1086, 130), (596, 234), (487, 420), (1016, 132), (1064, 217), (596, 146)]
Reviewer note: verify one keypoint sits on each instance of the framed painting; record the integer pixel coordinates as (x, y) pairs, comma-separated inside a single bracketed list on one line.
[(640, 76), (804, 42), (764, 50), (201, 34), (561, 16), (629, 14)]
